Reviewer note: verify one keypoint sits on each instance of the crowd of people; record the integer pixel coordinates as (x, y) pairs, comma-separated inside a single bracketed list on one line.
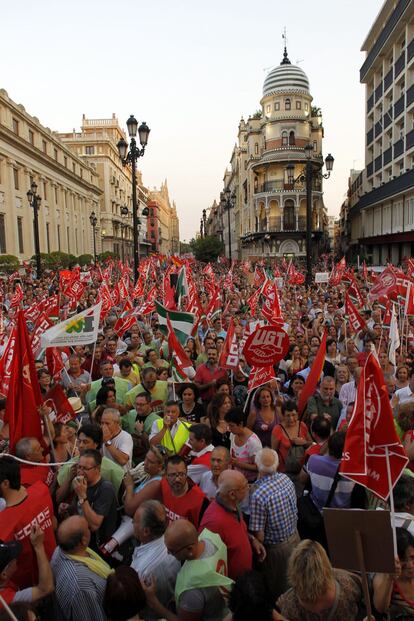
[(195, 499)]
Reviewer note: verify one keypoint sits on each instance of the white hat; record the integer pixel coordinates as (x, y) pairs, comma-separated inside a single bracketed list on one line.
[(76, 404)]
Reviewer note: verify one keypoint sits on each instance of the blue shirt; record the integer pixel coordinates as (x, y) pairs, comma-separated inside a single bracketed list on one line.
[(322, 470), (273, 508)]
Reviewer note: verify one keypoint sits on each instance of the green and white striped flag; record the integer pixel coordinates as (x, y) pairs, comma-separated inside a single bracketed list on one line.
[(182, 285), (181, 322)]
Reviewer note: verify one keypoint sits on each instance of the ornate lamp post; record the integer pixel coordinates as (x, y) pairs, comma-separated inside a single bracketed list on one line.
[(228, 200), (94, 221), (124, 228), (34, 202), (312, 170), (130, 157)]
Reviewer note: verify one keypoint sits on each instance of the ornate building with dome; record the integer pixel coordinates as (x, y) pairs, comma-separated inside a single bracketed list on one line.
[(268, 217)]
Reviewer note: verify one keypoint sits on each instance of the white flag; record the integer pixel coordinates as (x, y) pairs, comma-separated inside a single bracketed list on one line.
[(394, 337), (81, 329)]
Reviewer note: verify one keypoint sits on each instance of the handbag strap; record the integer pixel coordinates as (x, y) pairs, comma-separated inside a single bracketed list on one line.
[(333, 488), (332, 611), (287, 435)]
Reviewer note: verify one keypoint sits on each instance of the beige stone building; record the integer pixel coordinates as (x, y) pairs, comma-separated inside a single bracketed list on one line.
[(67, 184), (164, 227), (269, 214), (96, 144)]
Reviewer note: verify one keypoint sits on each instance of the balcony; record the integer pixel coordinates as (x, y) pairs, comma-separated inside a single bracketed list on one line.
[(398, 147), (387, 156), (409, 140), (378, 163), (388, 80), (279, 186), (370, 102), (378, 92), (387, 118), (383, 37), (399, 106), (410, 95), (410, 50), (378, 128), (399, 64), (370, 136), (277, 224), (370, 169)]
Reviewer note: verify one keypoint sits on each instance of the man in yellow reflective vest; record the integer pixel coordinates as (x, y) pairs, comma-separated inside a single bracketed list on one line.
[(170, 431)]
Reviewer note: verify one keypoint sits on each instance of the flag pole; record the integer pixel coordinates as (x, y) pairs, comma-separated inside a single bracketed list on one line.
[(7, 609), (394, 532)]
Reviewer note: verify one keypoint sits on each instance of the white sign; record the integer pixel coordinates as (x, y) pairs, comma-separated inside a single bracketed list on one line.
[(322, 277), (279, 283)]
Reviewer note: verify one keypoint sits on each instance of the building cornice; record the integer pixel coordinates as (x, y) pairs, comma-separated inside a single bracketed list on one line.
[(38, 155)]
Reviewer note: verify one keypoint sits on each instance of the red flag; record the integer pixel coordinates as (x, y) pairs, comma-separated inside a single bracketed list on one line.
[(17, 298), (169, 293), (54, 362), (229, 357), (259, 376), (355, 319), (385, 283), (24, 398), (57, 400), (252, 301), (409, 300), (313, 377), (364, 271), (43, 323), (175, 347), (6, 361), (371, 433), (123, 324), (148, 306)]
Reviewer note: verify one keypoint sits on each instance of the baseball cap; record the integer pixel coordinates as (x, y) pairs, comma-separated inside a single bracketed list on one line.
[(9, 550)]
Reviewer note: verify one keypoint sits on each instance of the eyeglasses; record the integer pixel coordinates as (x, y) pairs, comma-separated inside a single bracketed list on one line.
[(175, 552), (176, 475)]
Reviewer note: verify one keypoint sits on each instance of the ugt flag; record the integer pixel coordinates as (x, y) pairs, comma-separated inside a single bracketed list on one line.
[(81, 329), (371, 433)]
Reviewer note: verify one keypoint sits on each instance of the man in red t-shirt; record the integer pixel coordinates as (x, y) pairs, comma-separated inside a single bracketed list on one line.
[(224, 518), (24, 507), (207, 375), (30, 449), (179, 495)]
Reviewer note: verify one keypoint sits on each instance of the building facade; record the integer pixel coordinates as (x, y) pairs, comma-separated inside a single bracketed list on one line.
[(269, 215), (67, 184), (381, 210), (164, 228), (96, 144)]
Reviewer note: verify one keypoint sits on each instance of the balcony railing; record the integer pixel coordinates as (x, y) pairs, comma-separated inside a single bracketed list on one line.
[(400, 64), (277, 224), (278, 185), (388, 79), (399, 106)]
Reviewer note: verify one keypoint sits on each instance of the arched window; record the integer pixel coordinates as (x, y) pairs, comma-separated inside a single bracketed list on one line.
[(289, 220), (256, 148), (284, 139), (292, 137), (287, 103)]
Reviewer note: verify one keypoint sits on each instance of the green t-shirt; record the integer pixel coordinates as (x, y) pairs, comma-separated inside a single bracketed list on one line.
[(159, 394), (110, 471), (121, 386), (128, 421)]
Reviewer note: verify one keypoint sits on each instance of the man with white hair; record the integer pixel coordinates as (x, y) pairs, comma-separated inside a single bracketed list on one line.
[(117, 444), (273, 519)]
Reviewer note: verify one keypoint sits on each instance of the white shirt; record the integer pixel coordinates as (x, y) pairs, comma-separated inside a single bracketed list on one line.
[(124, 443), (207, 485), (404, 394), (196, 471), (347, 395)]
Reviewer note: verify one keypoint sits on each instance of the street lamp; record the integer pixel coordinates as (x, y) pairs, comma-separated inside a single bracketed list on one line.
[(94, 221), (34, 202), (124, 228), (131, 157), (312, 170), (228, 200)]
